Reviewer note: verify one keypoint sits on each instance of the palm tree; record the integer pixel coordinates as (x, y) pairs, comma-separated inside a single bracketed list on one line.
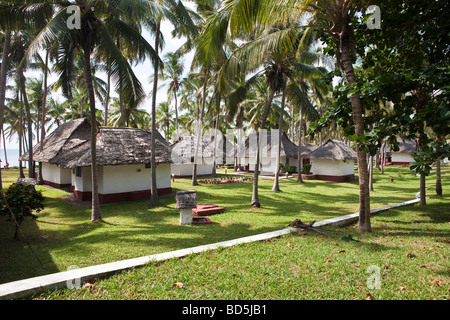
[(334, 18), (331, 17), (279, 60), (173, 72), (164, 116), (100, 24), (19, 46), (3, 73), (178, 15), (135, 117)]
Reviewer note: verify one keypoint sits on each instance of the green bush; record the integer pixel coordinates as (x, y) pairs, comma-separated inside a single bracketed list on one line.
[(306, 168), (287, 168), (21, 201)]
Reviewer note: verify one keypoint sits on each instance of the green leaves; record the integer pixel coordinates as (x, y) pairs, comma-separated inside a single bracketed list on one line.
[(21, 200)]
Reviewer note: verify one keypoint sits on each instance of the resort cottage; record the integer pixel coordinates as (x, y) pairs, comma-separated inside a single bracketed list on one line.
[(184, 149), (123, 160), (246, 152), (404, 156), (333, 161)]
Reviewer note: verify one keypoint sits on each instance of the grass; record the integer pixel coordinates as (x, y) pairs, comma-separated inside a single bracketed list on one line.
[(409, 245)]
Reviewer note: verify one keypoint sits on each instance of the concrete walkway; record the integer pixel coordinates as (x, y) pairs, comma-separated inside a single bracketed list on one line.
[(33, 286)]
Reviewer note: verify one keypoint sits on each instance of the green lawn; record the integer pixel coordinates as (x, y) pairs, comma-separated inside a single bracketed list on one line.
[(63, 236)]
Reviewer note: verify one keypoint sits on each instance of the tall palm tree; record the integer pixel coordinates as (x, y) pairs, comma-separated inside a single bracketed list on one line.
[(100, 23), (164, 118), (334, 18), (178, 15), (173, 72), (19, 46), (330, 17), (279, 60)]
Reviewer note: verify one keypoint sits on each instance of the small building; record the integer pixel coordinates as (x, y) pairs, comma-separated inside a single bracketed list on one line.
[(123, 162), (184, 149), (246, 152), (333, 161), (404, 156)]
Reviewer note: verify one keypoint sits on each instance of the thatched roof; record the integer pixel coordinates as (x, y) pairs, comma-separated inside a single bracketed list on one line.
[(333, 149), (72, 135), (69, 146), (288, 148), (122, 146), (408, 146), (185, 147)]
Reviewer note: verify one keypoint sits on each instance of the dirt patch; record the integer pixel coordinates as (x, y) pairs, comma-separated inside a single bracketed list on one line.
[(76, 202)]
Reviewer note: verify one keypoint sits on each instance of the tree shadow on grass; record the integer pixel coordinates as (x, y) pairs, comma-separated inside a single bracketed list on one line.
[(17, 260)]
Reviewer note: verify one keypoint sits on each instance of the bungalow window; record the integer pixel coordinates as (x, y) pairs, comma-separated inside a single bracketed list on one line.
[(148, 165), (78, 171)]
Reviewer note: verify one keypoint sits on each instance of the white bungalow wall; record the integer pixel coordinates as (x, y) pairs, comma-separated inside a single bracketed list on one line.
[(185, 169), (268, 164), (123, 178), (82, 183), (53, 173), (401, 157), (330, 167)]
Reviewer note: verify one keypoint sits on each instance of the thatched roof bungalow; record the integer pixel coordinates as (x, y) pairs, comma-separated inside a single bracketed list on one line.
[(184, 149), (123, 160), (246, 152), (333, 161), (404, 156)]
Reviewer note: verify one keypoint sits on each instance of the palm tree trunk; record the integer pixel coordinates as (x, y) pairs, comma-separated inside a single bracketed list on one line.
[(154, 200), (176, 113), (3, 73), (122, 109), (4, 146), (364, 197), (276, 182), (255, 197), (105, 122), (194, 181), (422, 98), (29, 124), (44, 105), (299, 157), (21, 175), (371, 173), (95, 214), (215, 143), (438, 178)]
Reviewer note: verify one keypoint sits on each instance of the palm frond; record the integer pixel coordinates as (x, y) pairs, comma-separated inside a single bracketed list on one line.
[(120, 69)]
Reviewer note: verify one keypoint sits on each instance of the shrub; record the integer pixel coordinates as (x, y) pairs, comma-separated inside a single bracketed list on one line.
[(287, 168), (21, 201), (306, 167)]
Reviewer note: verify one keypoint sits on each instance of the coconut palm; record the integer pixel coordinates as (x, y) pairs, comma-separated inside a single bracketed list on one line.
[(100, 23), (172, 73), (181, 19), (330, 17), (135, 117), (164, 118), (19, 46), (334, 19), (279, 61)]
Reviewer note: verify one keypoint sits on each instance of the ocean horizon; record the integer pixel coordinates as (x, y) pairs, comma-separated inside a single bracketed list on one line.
[(12, 155)]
